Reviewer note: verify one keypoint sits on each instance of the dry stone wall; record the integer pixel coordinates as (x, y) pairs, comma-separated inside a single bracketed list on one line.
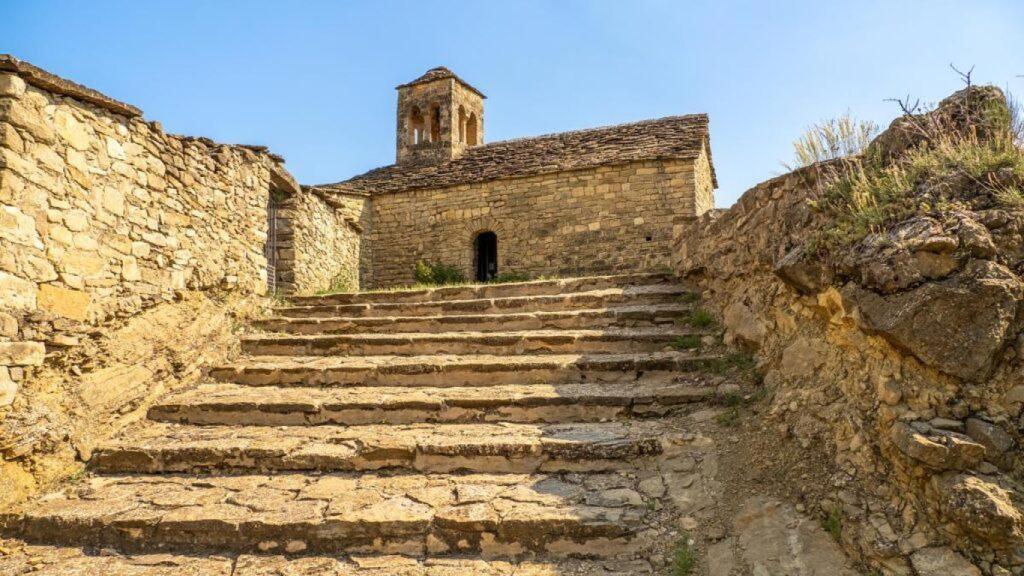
[(125, 254), (607, 219)]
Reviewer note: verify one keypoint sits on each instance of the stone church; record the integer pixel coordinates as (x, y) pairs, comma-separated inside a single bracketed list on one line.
[(590, 201)]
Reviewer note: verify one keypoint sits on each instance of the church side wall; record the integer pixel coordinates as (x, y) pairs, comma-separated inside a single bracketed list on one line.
[(320, 242), (603, 220)]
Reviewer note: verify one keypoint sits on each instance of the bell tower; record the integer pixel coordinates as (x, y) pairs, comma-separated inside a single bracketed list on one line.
[(439, 116)]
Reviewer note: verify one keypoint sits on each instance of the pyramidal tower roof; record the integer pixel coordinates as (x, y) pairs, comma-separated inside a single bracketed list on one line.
[(439, 73)]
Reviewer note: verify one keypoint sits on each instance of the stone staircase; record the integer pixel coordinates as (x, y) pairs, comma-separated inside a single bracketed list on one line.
[(522, 429)]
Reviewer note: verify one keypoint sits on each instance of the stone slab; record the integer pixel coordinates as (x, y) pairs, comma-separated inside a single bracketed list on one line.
[(493, 515), (501, 447)]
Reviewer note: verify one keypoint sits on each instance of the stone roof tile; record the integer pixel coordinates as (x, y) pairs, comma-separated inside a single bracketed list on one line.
[(439, 73), (673, 137)]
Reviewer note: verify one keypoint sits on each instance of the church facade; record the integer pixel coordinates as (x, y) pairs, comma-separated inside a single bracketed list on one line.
[(601, 200)]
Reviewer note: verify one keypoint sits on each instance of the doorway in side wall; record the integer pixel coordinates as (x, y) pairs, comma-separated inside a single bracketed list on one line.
[(486, 256)]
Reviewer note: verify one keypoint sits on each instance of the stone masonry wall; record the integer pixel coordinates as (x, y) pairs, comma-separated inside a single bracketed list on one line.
[(320, 242), (603, 220), (125, 253)]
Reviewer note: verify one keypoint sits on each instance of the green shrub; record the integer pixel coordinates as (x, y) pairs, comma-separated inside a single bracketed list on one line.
[(833, 523), (684, 557), (701, 318), (429, 274), (730, 417), (686, 342)]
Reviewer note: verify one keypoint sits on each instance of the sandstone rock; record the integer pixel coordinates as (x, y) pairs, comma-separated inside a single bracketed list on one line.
[(20, 114), (996, 440), (73, 304), (957, 325), (774, 539), (802, 358), (889, 391), (22, 353), (76, 220), (802, 272), (982, 509), (975, 239), (1015, 395), (744, 328), (17, 293), (71, 130), (942, 562), (11, 86), (943, 451), (8, 387), (915, 250)]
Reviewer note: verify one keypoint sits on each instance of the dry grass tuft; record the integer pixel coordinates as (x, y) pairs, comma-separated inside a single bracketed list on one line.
[(831, 139)]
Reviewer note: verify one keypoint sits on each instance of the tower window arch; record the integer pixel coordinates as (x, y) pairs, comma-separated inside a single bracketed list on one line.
[(417, 126), (471, 130), (462, 124), (435, 123)]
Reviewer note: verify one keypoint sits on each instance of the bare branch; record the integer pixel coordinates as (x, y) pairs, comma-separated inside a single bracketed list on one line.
[(965, 76), (904, 104)]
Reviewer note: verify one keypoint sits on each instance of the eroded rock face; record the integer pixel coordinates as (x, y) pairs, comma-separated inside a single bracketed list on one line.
[(981, 508), (902, 354), (802, 271), (957, 325), (942, 562)]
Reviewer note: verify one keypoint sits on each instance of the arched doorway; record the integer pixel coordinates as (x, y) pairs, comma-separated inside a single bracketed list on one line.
[(486, 256)]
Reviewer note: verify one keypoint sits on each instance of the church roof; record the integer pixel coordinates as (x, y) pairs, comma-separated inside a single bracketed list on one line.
[(673, 137), (439, 73)]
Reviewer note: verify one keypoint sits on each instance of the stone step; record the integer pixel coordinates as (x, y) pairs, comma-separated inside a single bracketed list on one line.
[(617, 340), (633, 296), (496, 290), (227, 404), (491, 515), (588, 318), (493, 448), (42, 560), (462, 370)]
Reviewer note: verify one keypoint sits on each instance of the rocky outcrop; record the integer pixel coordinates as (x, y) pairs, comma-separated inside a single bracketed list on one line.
[(958, 325), (899, 355)]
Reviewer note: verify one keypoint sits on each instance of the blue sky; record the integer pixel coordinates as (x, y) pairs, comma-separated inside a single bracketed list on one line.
[(315, 80)]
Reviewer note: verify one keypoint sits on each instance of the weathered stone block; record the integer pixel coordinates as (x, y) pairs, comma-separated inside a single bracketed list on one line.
[(73, 304), (16, 293), (71, 130), (11, 85), (18, 227), (981, 508), (8, 387), (22, 353), (22, 115), (942, 562), (996, 440)]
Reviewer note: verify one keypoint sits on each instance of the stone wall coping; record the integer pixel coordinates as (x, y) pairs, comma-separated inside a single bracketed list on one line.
[(36, 76), (44, 80)]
